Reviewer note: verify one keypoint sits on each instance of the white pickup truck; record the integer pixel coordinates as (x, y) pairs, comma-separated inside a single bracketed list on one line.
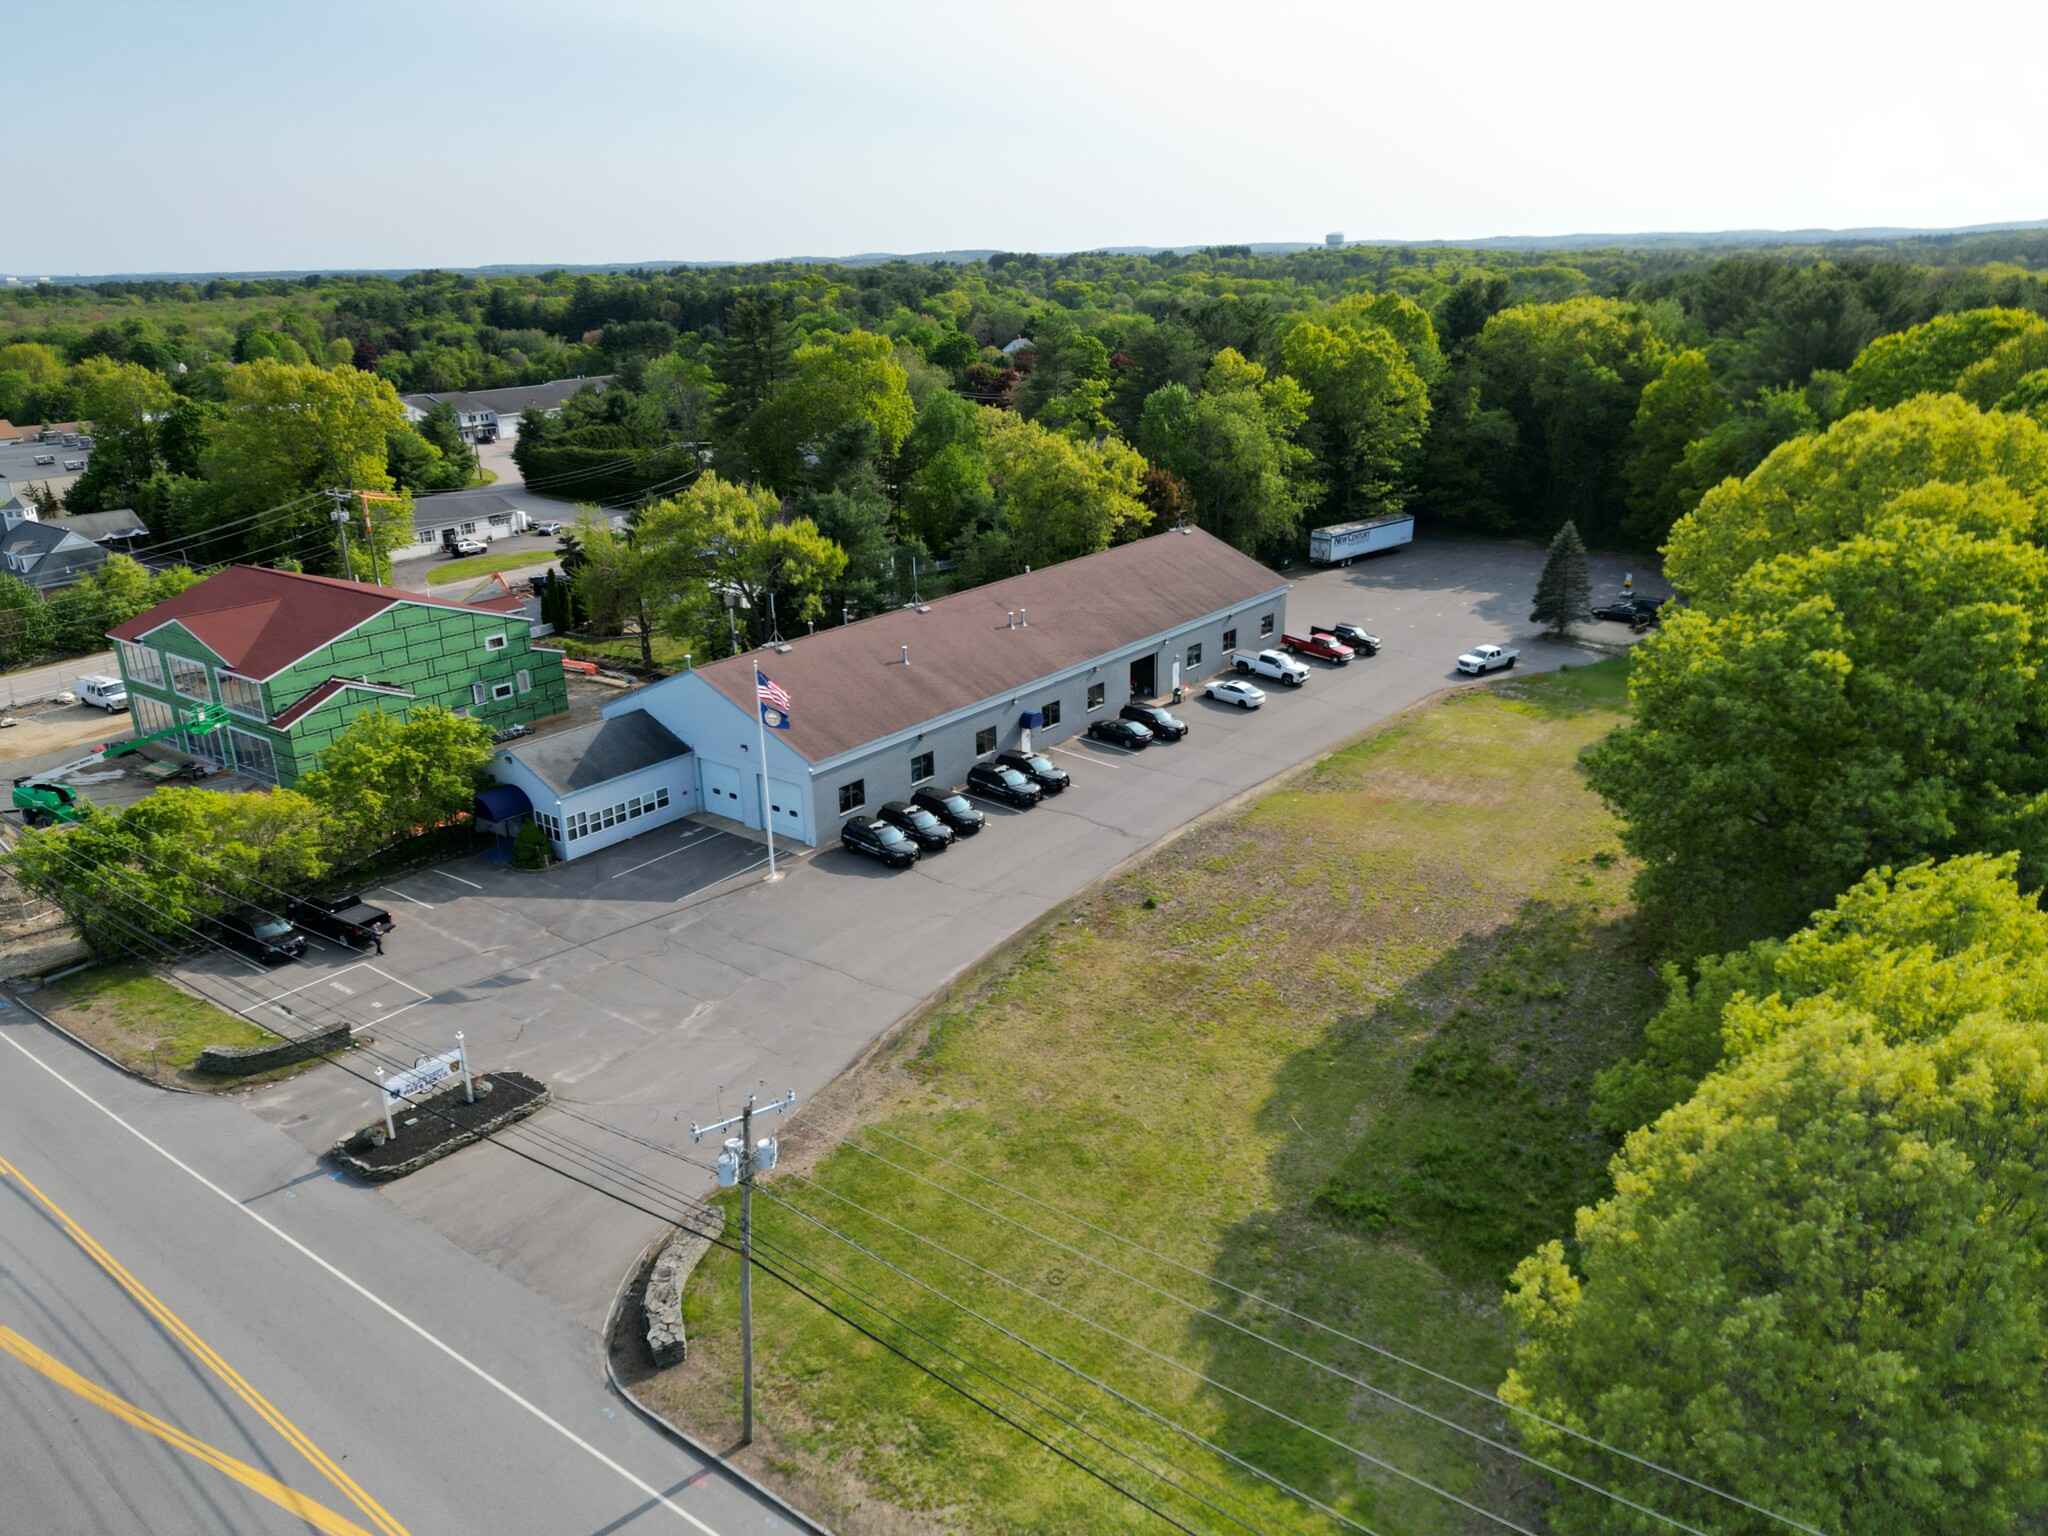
[(1274, 664), (1487, 658)]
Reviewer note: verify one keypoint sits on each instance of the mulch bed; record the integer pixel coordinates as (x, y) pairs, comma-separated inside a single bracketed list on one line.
[(431, 1128)]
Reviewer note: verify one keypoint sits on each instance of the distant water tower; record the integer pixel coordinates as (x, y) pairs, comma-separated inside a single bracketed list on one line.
[(1334, 237)]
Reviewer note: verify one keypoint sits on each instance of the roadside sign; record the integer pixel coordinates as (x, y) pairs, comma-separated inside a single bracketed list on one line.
[(424, 1073)]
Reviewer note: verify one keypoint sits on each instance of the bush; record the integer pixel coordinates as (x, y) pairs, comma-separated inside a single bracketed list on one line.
[(531, 849)]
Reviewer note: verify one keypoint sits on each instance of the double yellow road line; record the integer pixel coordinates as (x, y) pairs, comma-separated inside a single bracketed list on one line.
[(317, 1515)]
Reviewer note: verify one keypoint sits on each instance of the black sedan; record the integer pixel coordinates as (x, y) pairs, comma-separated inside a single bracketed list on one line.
[(1155, 720), (878, 840), (1004, 784), (926, 830), (1619, 612), (951, 807), (1037, 767), (1128, 734)]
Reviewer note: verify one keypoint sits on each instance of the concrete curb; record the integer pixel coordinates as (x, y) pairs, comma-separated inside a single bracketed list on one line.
[(604, 1344), (87, 1045)]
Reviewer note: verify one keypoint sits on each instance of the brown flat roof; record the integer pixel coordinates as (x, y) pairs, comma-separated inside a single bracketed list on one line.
[(848, 686)]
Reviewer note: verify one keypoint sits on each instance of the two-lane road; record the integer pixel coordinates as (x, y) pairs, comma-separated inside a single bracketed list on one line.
[(200, 1334)]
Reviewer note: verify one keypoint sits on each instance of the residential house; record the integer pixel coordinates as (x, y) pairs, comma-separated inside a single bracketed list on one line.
[(295, 658), (485, 415)]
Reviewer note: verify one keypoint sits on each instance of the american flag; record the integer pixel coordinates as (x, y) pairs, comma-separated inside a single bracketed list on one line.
[(774, 703)]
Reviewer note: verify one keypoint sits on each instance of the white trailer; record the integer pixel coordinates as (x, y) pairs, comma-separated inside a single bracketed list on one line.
[(1342, 543)]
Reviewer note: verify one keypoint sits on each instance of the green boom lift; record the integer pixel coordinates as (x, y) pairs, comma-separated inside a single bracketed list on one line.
[(41, 796)]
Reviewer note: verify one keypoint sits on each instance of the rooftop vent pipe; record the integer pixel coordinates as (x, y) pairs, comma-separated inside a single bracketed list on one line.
[(1023, 622), (1013, 620), (906, 655)]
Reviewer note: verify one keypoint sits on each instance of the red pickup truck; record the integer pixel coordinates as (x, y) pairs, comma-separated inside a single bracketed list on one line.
[(1329, 647)]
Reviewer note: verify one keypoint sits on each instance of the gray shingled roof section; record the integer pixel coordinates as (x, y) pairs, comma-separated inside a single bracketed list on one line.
[(457, 507), (511, 400), (590, 754), (103, 525), (848, 685)]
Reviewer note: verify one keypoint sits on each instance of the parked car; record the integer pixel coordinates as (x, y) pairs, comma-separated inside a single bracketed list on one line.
[(46, 458), (546, 530), (1315, 643), (951, 807), (1037, 767), (926, 830), (73, 464), (1622, 611), (1274, 664), (878, 840), (1235, 690), (1119, 732), (345, 919), (1352, 635), (462, 547), (1156, 720), (103, 692), (1004, 784), (1648, 607), (261, 936), (1487, 658)]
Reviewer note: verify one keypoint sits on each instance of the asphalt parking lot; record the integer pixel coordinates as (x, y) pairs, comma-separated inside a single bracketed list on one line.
[(18, 464), (663, 978)]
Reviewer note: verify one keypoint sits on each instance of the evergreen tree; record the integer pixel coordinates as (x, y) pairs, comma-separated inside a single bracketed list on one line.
[(1564, 593)]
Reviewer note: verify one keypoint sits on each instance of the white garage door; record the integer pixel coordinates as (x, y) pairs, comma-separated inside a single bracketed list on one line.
[(722, 791)]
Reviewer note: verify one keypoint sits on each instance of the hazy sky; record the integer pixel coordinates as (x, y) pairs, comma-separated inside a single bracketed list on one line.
[(191, 135)]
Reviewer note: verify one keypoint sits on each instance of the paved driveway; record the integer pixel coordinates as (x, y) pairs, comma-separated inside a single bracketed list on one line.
[(663, 978)]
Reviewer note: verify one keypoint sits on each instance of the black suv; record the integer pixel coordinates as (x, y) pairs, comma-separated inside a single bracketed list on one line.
[(263, 937), (951, 807), (1359, 641), (879, 840), (1155, 720), (345, 919), (1003, 783), (1036, 767), (926, 830)]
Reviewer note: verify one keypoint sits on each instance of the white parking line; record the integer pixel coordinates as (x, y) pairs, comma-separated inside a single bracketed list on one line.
[(1112, 767), (456, 878), (992, 800), (693, 842), (394, 891), (720, 880)]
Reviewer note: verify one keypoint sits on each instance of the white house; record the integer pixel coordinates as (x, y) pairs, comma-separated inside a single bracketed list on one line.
[(486, 415)]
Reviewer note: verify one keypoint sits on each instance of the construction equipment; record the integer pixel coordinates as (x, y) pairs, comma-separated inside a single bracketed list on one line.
[(43, 796)]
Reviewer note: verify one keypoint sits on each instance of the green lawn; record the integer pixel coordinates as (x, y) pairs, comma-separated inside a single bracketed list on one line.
[(483, 565), (144, 1022), (1334, 1049), (669, 652)]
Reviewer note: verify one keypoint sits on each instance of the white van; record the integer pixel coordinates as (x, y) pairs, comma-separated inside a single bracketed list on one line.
[(108, 693)]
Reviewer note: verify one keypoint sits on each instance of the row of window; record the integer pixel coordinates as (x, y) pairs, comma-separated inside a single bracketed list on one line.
[(585, 823), (190, 679), (480, 693), (231, 747)]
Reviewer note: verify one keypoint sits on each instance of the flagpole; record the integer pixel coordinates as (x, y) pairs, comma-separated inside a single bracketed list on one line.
[(767, 811)]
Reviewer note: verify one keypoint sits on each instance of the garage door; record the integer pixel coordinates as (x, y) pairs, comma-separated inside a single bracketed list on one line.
[(787, 801), (722, 791)]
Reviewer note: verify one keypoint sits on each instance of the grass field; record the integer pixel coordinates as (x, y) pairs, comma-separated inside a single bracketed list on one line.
[(1333, 1049), (474, 566), (144, 1022), (669, 652)]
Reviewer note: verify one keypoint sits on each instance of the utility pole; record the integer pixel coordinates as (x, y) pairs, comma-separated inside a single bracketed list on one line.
[(340, 516), (737, 1164)]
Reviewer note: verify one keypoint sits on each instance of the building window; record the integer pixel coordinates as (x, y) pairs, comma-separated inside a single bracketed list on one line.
[(142, 664), (1230, 640), (852, 796), (189, 678), (1194, 655), (430, 536), (1051, 711), (661, 797), (921, 767), (984, 741), (494, 642), (1265, 626), (253, 755), (1095, 695), (243, 695), (477, 694), (468, 528), (501, 690), (525, 681)]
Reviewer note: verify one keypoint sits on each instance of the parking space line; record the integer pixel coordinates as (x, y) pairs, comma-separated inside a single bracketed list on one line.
[(396, 981), (1086, 758), (289, 991), (991, 800), (392, 890), (692, 843), (456, 878), (721, 879)]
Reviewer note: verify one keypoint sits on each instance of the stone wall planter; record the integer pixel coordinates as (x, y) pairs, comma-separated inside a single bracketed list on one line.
[(429, 1129)]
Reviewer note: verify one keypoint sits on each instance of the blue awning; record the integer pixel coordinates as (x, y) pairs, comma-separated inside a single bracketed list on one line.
[(1032, 719), (502, 802)]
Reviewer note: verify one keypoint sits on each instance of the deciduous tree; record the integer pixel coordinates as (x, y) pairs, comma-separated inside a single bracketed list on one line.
[(387, 778)]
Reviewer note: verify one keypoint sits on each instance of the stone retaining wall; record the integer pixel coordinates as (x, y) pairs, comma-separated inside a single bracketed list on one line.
[(237, 1060), (663, 1299)]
